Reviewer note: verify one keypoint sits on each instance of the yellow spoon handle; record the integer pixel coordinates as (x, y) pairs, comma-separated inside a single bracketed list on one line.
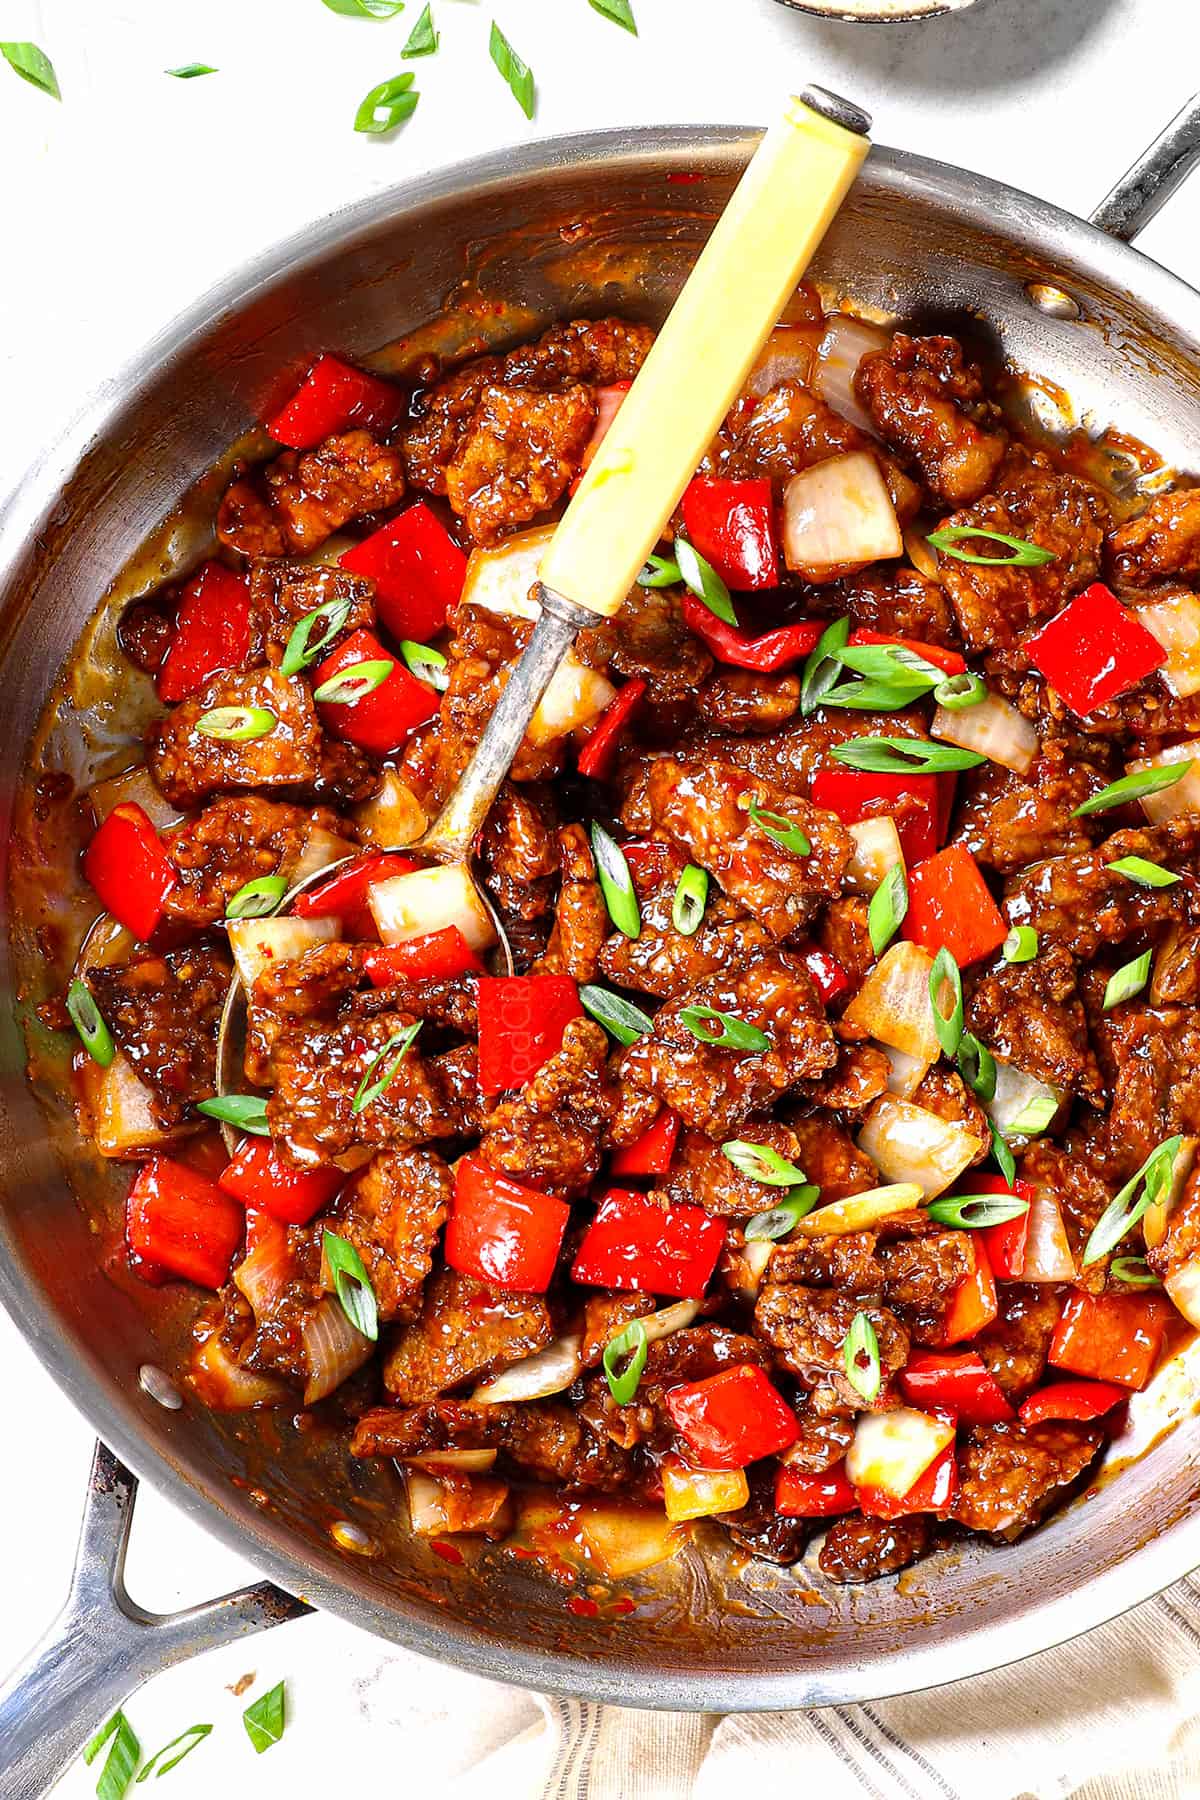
[(760, 247)]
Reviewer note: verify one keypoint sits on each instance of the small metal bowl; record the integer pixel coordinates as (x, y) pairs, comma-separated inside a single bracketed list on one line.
[(877, 12)]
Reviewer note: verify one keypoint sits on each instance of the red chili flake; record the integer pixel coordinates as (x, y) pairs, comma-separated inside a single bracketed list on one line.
[(682, 180), (448, 1552), (586, 1609), (622, 1607)]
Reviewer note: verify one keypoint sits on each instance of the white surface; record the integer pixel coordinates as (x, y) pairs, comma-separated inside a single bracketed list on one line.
[(138, 191)]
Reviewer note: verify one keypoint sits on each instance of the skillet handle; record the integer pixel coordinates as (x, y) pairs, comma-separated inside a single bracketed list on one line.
[(1146, 187), (103, 1645)]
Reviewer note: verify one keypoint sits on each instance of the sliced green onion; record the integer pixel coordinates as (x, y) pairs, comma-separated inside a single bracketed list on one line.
[(1134, 787), (186, 72), (620, 1018), (368, 1091), (948, 1026), (723, 1031), (351, 1283), (236, 724), (423, 38), (1001, 1153), (1145, 874), (425, 663), (633, 1343), (366, 9), (258, 899), (1119, 1217), (116, 1777), (355, 683), (518, 74), (975, 1212), (35, 67), (893, 676), (1128, 980), (1025, 555), (387, 105), (821, 670), (616, 883), (781, 830), (903, 756), (94, 1034), (1035, 1116), (660, 572), (958, 692), (195, 1734), (887, 908), (265, 1720), (303, 647), (861, 1356), (619, 11), (977, 1066), (782, 1218), (699, 575), (762, 1163), (247, 1111), (1134, 1271), (1021, 944), (691, 897)]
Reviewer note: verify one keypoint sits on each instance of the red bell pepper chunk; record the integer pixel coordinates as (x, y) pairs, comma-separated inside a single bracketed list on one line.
[(651, 1153), (178, 1222), (418, 571), (1111, 1337), (600, 752), (382, 720), (632, 1243), (608, 404), (933, 1492), (129, 869), (732, 525), (1072, 1400), (949, 661), (335, 397), (501, 1231), (782, 648), (212, 632), (974, 1304), (920, 804), (522, 1019), (731, 1419), (801, 1496), (950, 908), (1005, 1244), (262, 1181), (960, 1384), (344, 895), (438, 956), (829, 977), (1094, 650)]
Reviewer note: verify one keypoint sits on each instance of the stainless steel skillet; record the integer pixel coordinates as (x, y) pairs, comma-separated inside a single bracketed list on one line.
[(593, 223)]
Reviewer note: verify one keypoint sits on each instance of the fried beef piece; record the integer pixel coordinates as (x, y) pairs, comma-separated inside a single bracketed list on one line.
[(844, 931), (517, 456), (282, 593), (758, 1528), (1030, 1015), (1156, 1091), (293, 504), (1010, 1475), (790, 429), (862, 1074), (921, 1275), (740, 700), (707, 808), (457, 1075), (555, 1443), (392, 1214), (550, 1134), (826, 1431), (346, 776), (1017, 1342), (188, 765), (518, 849), (897, 601), (546, 1439), (861, 1549), (580, 917), (605, 1316), (319, 1068), (234, 841), (466, 1330), (995, 605), (946, 1095), (404, 1432), (1161, 543), (830, 1158), (791, 756), (1079, 902), (1008, 821), (921, 394), (649, 641), (808, 1328), (164, 1012), (665, 962), (703, 1175), (1181, 1238), (713, 1089), (846, 1260)]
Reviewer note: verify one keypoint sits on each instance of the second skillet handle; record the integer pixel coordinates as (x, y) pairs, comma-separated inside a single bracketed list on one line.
[(1145, 188)]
